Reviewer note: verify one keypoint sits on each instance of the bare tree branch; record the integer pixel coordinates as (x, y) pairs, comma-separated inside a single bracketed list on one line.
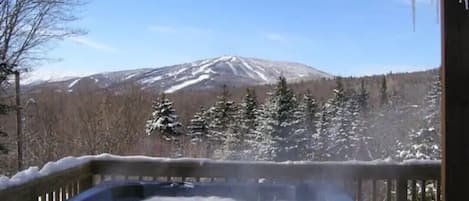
[(26, 27)]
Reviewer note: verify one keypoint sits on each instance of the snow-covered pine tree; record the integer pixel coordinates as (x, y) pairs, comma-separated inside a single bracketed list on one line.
[(164, 121), (308, 114), (362, 98), (309, 108), (322, 142), (290, 133), (248, 115), (342, 109), (425, 140), (329, 124), (278, 126), (222, 124), (365, 142), (264, 147), (198, 127)]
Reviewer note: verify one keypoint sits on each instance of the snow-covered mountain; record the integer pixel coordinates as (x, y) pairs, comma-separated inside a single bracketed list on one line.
[(197, 75)]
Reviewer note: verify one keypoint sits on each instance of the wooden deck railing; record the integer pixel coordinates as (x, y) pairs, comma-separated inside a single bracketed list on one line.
[(364, 181)]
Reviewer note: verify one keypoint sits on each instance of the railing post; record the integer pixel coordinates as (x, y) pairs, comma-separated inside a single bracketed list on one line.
[(424, 190), (359, 189), (388, 189), (401, 189), (373, 189), (85, 183), (414, 190)]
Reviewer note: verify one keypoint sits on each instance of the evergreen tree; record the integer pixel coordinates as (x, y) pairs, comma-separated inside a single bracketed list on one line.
[(342, 132), (164, 122), (308, 110), (365, 142), (278, 126), (198, 127), (164, 119), (363, 97), (383, 92), (222, 124), (321, 139), (248, 119), (264, 147), (425, 140), (330, 124), (287, 136)]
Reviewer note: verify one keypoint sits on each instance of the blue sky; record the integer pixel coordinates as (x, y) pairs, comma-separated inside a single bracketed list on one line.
[(342, 37)]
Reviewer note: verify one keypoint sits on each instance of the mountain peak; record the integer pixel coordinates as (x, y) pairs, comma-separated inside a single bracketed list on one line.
[(204, 74)]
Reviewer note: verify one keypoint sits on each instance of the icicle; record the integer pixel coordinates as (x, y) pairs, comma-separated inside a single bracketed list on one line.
[(466, 4)]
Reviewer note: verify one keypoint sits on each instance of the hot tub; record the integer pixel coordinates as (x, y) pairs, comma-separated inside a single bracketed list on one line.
[(151, 191)]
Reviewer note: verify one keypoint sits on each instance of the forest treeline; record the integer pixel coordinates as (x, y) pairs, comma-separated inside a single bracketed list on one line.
[(366, 118), (289, 126)]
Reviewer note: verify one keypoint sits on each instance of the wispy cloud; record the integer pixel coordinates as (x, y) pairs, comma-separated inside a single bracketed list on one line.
[(286, 38), (275, 37), (170, 29), (162, 29), (92, 44)]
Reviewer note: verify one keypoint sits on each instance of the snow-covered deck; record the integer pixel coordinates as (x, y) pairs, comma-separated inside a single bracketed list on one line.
[(71, 175)]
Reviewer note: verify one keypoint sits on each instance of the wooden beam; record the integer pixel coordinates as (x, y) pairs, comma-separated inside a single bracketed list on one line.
[(455, 100)]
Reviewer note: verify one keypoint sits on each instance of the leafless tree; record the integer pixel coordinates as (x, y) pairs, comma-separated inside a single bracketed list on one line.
[(26, 28)]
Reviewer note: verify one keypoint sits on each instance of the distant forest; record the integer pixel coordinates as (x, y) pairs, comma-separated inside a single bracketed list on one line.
[(348, 118)]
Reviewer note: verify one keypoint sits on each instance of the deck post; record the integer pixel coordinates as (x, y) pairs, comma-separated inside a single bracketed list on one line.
[(455, 100)]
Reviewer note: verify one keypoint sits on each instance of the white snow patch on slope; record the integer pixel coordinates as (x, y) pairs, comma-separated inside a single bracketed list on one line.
[(73, 83), (261, 75), (177, 72), (201, 69), (183, 78), (233, 59), (196, 198), (233, 69), (130, 76), (207, 63), (187, 83), (261, 68), (151, 79)]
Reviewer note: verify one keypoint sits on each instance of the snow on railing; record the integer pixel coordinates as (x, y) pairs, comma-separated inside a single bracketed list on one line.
[(71, 175)]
